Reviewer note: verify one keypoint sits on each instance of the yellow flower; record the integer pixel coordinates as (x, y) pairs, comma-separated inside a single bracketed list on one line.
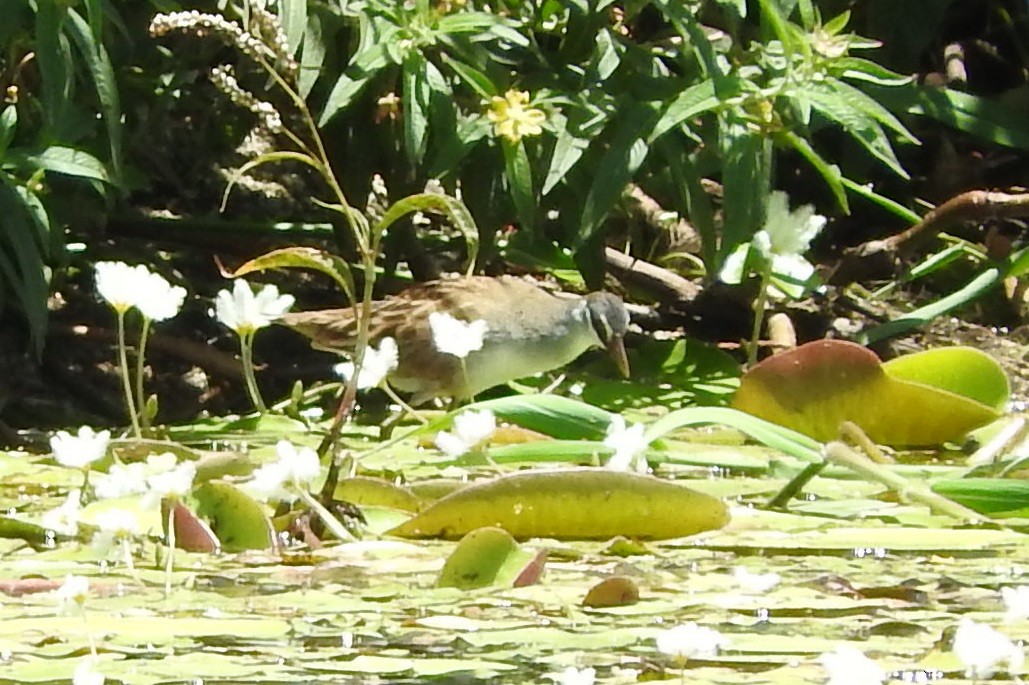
[(513, 118)]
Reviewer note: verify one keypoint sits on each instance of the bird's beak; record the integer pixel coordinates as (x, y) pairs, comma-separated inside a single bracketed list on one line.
[(616, 348)]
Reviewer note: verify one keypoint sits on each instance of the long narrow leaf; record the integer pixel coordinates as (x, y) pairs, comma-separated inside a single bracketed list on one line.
[(450, 207)]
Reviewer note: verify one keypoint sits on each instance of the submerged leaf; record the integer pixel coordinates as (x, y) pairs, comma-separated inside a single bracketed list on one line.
[(570, 504)]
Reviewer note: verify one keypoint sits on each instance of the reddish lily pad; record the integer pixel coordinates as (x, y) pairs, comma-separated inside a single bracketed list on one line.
[(814, 388), (489, 556), (191, 533), (570, 504)]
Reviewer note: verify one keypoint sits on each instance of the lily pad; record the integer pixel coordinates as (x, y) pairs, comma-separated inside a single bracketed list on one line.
[(963, 371), (570, 504), (489, 556), (612, 592), (238, 519), (814, 388)]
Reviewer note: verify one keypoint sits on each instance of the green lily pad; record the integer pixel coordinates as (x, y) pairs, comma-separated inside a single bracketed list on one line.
[(963, 371), (816, 387), (369, 491), (571, 504), (618, 591), (488, 556), (238, 519)]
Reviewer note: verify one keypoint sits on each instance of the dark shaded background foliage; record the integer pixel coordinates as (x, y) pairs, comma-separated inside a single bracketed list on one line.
[(154, 136)]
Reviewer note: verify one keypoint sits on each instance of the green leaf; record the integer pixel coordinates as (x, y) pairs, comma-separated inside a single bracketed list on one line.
[(862, 69), (983, 117), (366, 63), (294, 19), (486, 556), (627, 148), (239, 521), (312, 54), (975, 288), (415, 98), (996, 497), (585, 504), (863, 128), (376, 492), (519, 176), (333, 266), (24, 274), (692, 102), (450, 207), (963, 371), (8, 124), (568, 149), (816, 387), (477, 80), (891, 206), (102, 72), (746, 174), (553, 415), (66, 160)]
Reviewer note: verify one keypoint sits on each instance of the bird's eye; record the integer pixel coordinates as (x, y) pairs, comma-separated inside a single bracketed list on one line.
[(601, 327)]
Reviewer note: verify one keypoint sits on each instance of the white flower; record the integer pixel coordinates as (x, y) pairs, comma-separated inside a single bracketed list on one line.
[(174, 483), (755, 582), (377, 364), (575, 676), (115, 525), (158, 299), (456, 337), (690, 641), (65, 518), (982, 650), (244, 312), (79, 451), (1016, 601), (849, 666), (121, 284), (469, 430), (121, 480), (74, 592), (628, 444), (295, 469), (787, 233), (86, 673)]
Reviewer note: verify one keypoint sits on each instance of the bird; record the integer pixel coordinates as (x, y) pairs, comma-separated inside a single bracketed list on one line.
[(529, 330)]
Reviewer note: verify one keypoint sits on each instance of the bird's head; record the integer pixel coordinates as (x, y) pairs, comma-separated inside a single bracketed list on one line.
[(610, 321)]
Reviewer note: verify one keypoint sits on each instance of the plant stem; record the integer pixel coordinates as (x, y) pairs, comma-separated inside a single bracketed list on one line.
[(169, 563), (140, 368), (759, 315), (246, 341), (123, 363)]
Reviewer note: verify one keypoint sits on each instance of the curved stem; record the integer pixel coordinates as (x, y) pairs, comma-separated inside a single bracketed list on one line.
[(140, 368), (246, 356), (123, 364)]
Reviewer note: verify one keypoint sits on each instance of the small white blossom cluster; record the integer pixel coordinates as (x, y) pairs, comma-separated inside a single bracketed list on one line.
[(125, 287), (983, 650), (224, 80), (202, 22)]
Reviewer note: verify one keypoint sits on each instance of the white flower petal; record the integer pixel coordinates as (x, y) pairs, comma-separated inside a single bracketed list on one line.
[(982, 650), (691, 641), (456, 337), (1016, 601), (849, 666), (81, 450)]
